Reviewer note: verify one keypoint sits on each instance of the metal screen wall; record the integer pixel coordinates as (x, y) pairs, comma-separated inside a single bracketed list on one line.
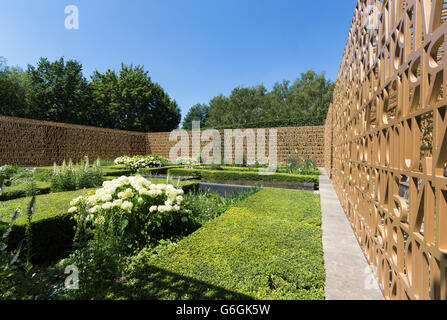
[(388, 120)]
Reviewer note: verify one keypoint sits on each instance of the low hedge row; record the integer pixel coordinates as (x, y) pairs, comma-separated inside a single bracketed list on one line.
[(291, 122), (157, 171), (116, 171), (224, 175), (52, 226), (120, 170), (19, 191), (266, 247)]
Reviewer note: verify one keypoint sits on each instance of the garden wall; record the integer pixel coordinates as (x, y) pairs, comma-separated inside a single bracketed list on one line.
[(301, 142), (38, 143), (389, 122)]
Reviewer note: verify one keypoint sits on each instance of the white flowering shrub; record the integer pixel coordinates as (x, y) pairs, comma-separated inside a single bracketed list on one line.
[(139, 162), (187, 162), (122, 160), (134, 208)]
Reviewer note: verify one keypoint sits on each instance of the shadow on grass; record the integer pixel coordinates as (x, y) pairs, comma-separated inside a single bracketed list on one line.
[(152, 283)]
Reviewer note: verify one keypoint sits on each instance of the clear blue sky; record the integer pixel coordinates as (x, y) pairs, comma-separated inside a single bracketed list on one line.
[(196, 49)]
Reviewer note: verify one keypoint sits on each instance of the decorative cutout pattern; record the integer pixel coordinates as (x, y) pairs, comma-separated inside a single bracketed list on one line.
[(38, 143), (388, 120), (300, 142)]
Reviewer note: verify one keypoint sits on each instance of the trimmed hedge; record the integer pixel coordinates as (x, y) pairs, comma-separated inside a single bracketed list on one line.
[(116, 171), (225, 175), (120, 170), (294, 122), (52, 226), (18, 191), (157, 171), (266, 247)]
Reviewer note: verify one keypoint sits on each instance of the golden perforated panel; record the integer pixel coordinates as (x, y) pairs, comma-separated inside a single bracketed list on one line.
[(40, 143), (388, 119), (298, 142)]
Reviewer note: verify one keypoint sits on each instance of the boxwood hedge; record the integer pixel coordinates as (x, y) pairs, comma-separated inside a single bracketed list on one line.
[(19, 190), (226, 175), (266, 247), (157, 171)]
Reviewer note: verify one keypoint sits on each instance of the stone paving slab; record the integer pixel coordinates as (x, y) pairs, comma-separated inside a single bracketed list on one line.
[(348, 274)]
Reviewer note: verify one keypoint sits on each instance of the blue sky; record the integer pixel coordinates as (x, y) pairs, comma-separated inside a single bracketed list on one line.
[(196, 49)]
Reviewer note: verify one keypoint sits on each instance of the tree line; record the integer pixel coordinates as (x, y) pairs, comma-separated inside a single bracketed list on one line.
[(128, 99), (305, 101), (58, 91)]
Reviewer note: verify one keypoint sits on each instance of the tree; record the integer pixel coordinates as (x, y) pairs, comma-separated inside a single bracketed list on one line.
[(14, 91), (59, 91), (131, 101), (309, 96), (311, 93), (218, 111), (198, 112)]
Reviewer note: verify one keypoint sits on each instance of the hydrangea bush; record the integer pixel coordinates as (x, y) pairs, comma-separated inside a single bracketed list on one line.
[(187, 162), (132, 208), (122, 160), (139, 162)]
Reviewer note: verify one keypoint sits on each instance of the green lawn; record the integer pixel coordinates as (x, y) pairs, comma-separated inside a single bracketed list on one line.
[(266, 247)]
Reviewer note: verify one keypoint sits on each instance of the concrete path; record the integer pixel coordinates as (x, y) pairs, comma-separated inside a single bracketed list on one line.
[(348, 275)]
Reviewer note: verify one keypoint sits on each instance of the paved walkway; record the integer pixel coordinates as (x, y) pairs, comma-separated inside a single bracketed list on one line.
[(348, 275)]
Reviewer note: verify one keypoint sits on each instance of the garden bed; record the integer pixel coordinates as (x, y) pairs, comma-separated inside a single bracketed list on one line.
[(52, 226), (266, 247), (277, 180), (19, 190)]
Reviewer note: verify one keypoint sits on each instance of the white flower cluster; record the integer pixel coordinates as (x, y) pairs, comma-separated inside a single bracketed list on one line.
[(146, 162), (186, 161), (125, 193), (139, 162), (122, 160)]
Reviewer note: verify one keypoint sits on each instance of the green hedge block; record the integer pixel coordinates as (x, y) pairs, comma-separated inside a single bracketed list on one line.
[(224, 175), (116, 171), (196, 173), (18, 191), (157, 171), (291, 122), (266, 247), (51, 225)]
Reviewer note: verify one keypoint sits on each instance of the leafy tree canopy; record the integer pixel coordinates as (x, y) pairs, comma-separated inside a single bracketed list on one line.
[(308, 97), (58, 91), (198, 112), (131, 101)]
